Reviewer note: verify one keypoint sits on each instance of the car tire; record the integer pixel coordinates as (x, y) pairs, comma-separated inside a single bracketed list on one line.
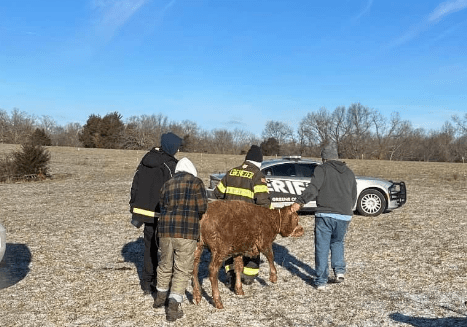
[(371, 203)]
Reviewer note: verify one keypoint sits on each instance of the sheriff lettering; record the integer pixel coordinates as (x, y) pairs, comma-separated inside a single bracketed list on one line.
[(286, 186)]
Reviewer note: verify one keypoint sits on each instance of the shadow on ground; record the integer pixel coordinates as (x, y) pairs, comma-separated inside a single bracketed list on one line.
[(134, 252), (14, 265), (296, 267), (429, 322)]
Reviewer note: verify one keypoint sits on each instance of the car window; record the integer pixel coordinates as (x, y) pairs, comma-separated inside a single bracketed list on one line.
[(287, 169), (305, 169)]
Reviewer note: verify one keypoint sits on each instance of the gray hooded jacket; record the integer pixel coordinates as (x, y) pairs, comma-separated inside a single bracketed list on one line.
[(334, 188)]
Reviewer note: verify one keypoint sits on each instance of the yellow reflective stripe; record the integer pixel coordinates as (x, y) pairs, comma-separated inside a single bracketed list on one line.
[(250, 271), (221, 187), (261, 189), (228, 268), (144, 212), (241, 192)]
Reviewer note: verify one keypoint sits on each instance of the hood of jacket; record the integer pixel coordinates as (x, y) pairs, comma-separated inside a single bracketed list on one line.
[(185, 165), (340, 166), (155, 158), (170, 143)]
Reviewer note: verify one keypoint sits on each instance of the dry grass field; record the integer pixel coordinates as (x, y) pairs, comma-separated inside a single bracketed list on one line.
[(73, 259)]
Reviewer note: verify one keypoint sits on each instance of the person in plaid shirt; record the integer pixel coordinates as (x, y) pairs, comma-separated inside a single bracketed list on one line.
[(183, 201)]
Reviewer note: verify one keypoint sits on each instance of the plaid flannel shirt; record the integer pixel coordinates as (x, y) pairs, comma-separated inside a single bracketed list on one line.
[(183, 201)]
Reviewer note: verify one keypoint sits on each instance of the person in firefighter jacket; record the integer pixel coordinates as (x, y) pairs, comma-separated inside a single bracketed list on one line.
[(246, 183), (155, 168)]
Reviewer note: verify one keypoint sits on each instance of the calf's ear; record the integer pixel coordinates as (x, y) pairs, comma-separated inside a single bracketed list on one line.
[(295, 207)]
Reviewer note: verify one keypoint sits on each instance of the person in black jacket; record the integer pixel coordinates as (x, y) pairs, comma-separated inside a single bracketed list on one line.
[(156, 167)]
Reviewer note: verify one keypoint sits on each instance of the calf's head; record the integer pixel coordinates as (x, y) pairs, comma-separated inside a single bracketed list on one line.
[(289, 226)]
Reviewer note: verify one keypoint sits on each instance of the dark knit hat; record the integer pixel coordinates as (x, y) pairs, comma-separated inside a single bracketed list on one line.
[(254, 154), (329, 152)]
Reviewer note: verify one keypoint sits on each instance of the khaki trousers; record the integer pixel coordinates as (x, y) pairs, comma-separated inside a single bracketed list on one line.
[(175, 264)]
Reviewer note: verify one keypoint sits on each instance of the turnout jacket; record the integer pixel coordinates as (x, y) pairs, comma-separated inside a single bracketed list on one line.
[(245, 182), (155, 168), (183, 201), (334, 187)]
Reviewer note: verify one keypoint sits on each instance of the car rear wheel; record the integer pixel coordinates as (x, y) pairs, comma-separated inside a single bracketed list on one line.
[(371, 203)]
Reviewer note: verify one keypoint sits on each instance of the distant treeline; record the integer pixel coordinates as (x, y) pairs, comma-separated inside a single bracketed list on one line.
[(359, 132)]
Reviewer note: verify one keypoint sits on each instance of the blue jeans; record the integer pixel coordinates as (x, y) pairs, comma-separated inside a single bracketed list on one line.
[(329, 236)]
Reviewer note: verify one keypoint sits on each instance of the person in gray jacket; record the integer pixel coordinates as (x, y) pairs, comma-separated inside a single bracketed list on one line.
[(334, 188)]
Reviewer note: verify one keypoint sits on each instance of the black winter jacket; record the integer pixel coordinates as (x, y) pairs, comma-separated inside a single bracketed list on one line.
[(154, 170), (246, 183)]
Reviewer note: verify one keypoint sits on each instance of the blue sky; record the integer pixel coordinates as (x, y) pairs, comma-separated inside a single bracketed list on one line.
[(236, 63)]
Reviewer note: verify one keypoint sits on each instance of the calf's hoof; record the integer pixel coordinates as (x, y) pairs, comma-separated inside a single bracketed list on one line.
[(197, 298), (273, 278), (239, 292), (218, 304)]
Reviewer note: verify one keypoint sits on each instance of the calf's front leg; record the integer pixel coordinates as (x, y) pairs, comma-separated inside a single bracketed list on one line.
[(238, 266), (268, 252)]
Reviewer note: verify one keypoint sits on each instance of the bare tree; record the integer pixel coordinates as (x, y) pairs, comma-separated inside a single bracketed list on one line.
[(280, 131), (408, 143), (4, 125), (21, 126), (242, 140), (222, 141), (339, 127), (386, 132), (461, 124), (47, 123), (315, 127), (303, 144), (68, 136), (360, 122), (149, 129)]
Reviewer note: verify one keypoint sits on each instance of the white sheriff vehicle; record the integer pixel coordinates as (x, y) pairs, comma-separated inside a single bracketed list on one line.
[(289, 176)]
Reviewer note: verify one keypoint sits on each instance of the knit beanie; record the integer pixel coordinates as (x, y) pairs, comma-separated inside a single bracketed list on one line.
[(254, 154), (329, 152)]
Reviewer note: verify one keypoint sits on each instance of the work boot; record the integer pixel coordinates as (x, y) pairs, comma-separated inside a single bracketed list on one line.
[(160, 299), (230, 282), (247, 280), (147, 288), (174, 310)]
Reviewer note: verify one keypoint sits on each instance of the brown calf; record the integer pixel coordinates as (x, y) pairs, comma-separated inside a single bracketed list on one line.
[(236, 228)]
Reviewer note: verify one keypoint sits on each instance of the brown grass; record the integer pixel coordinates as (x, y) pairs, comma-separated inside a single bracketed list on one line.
[(77, 258)]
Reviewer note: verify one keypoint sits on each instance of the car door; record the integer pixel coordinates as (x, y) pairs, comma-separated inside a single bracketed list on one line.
[(284, 183)]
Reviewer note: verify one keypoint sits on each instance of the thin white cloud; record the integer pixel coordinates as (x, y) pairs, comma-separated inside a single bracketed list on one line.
[(170, 4), (365, 10), (107, 17), (446, 8), (440, 12), (110, 15)]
